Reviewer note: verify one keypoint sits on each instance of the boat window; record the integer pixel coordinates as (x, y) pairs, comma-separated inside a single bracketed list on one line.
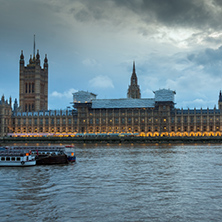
[(3, 159), (7, 158), (13, 159), (18, 158)]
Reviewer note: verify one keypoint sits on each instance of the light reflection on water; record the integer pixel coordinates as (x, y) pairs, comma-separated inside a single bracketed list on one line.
[(118, 183)]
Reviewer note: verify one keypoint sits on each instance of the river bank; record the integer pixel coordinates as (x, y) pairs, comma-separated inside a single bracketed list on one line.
[(111, 140)]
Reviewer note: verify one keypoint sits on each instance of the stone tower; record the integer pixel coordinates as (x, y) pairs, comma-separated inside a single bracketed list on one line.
[(33, 83), (134, 89)]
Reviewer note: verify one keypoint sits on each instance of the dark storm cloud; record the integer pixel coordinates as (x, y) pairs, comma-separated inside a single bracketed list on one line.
[(186, 13), (197, 14)]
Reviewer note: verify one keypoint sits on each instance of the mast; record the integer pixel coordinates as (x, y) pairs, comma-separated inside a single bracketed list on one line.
[(34, 48)]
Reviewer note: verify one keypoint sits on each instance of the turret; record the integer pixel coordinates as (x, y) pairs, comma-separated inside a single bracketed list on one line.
[(15, 105), (220, 101), (10, 101), (45, 62), (3, 98), (37, 58), (22, 63), (30, 60)]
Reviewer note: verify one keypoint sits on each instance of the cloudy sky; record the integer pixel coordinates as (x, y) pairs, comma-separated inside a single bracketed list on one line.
[(91, 45)]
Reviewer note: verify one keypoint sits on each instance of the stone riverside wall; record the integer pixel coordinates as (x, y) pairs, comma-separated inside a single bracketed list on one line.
[(105, 140)]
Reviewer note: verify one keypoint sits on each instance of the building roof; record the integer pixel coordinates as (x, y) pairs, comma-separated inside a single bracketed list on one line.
[(83, 96), (122, 103), (164, 95)]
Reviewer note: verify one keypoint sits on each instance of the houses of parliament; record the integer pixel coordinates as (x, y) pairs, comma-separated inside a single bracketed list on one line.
[(132, 115)]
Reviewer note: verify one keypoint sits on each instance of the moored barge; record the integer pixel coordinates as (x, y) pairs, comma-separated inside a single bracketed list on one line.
[(48, 155)]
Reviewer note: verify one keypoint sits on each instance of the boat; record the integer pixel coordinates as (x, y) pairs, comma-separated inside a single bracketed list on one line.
[(69, 151), (12, 158), (49, 155)]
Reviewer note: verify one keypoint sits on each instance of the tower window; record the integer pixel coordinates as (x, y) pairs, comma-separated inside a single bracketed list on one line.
[(33, 87)]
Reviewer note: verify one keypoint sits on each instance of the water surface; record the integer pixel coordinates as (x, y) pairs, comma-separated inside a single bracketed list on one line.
[(118, 183)]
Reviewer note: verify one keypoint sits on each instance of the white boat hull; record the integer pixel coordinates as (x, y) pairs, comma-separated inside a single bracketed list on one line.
[(17, 163)]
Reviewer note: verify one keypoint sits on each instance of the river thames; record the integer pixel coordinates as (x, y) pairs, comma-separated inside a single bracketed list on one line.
[(118, 183)]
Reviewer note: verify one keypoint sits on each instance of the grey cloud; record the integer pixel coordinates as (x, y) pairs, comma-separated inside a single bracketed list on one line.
[(182, 13), (210, 59), (198, 14), (207, 56), (187, 13), (82, 15)]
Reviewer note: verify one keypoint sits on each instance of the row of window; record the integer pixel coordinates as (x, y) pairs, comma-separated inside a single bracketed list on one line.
[(10, 158), (52, 121), (29, 87), (29, 107), (129, 120), (123, 113), (41, 130)]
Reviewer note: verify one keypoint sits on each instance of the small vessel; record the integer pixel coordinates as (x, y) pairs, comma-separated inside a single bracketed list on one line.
[(12, 158), (69, 151), (49, 155)]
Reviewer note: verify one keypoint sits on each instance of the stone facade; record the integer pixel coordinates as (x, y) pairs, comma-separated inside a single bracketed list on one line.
[(33, 84), (158, 119), (134, 115), (5, 116)]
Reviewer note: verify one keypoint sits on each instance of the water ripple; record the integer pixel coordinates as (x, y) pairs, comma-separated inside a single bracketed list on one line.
[(118, 183)]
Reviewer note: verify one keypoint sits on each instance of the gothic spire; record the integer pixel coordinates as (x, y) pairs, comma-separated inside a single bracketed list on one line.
[(134, 77), (134, 89), (220, 97)]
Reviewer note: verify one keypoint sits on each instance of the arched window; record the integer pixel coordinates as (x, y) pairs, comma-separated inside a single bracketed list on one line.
[(33, 87)]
